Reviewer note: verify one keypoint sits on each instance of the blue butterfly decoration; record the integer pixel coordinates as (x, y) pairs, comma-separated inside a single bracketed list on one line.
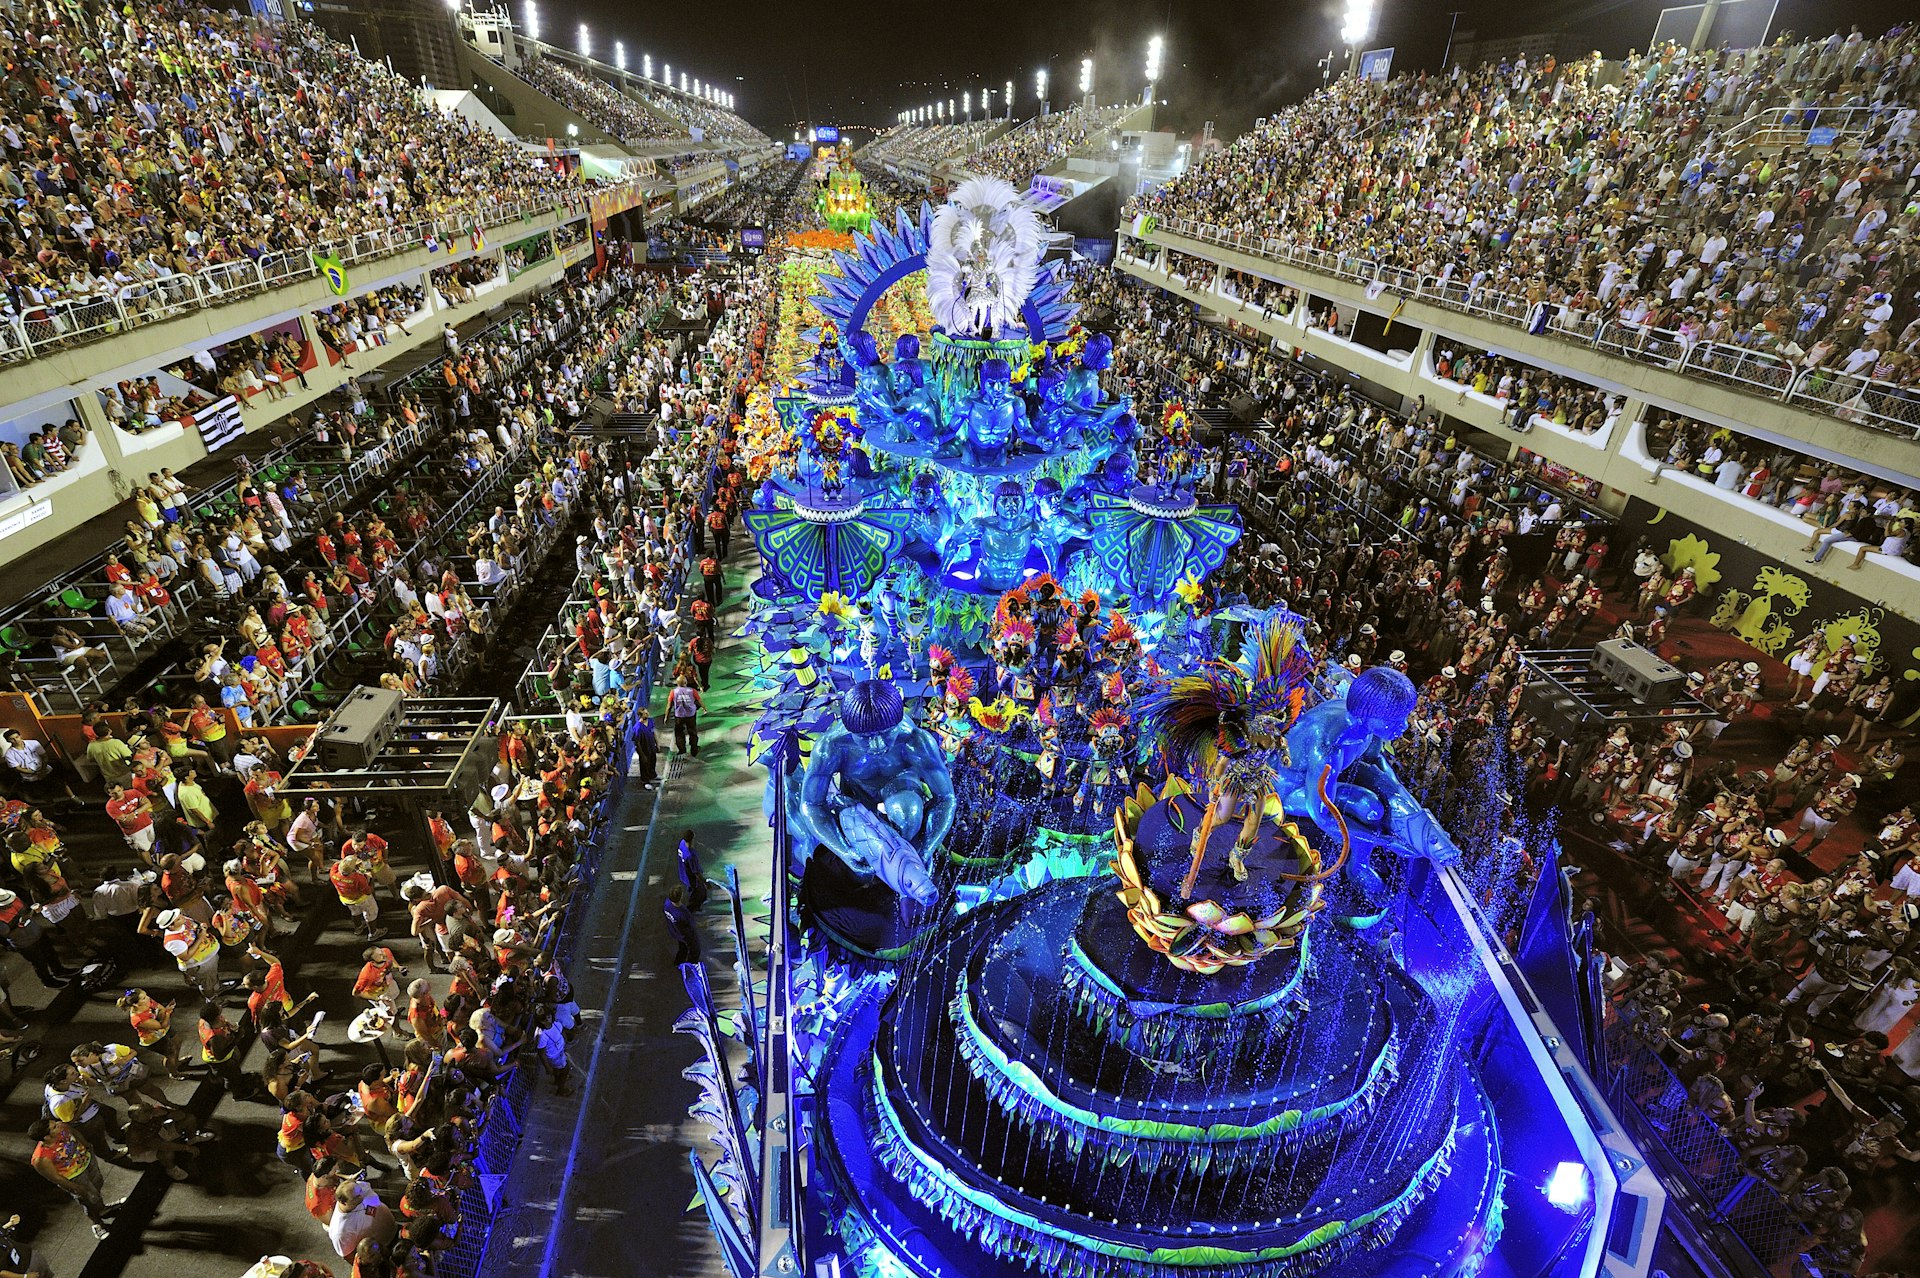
[(1151, 554)]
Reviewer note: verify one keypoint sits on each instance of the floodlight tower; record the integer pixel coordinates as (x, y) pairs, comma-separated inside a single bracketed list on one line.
[(1357, 28), (1155, 48)]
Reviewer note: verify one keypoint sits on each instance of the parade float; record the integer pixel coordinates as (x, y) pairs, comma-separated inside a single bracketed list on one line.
[(1110, 940), (843, 203)]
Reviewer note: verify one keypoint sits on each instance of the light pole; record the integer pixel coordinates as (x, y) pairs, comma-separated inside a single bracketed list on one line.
[(1009, 99), (533, 20), (586, 42), (646, 66), (620, 54), (1086, 80), (1040, 88), (1155, 47)]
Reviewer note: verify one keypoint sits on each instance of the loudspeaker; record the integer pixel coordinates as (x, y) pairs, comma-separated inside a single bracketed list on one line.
[(1636, 671), (1551, 707), (360, 728)]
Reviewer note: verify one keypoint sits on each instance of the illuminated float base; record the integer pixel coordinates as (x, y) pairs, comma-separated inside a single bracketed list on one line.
[(960, 1143), (1052, 1095)]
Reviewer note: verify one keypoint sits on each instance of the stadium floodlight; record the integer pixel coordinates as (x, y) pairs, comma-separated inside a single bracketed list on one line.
[(620, 54), (1358, 26), (586, 42), (813, 135), (454, 5), (1040, 85), (940, 110), (951, 109), (966, 103), (533, 20), (646, 66), (683, 82), (696, 86), (1086, 76), (1155, 47)]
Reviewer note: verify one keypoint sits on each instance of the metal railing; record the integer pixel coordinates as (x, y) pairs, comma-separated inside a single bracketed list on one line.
[(1706, 1171), (1890, 408), (38, 329)]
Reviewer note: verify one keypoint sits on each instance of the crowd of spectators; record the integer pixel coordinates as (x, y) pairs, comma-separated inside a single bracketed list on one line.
[(927, 143), (368, 321), (1838, 504), (1618, 192), (622, 117), (1020, 153), (715, 124), (45, 452), (1525, 393), (144, 144)]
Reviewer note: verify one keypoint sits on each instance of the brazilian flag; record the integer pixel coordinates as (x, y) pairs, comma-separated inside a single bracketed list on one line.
[(334, 271)]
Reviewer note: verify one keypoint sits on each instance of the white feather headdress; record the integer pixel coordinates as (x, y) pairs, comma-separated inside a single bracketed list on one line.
[(983, 257)]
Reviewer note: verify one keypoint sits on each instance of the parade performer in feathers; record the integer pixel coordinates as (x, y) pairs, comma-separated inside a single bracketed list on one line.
[(1223, 729)]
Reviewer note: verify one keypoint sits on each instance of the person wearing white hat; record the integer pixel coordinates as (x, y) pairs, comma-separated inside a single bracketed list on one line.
[(1669, 775), (1756, 889), (1835, 800), (24, 931), (196, 949)]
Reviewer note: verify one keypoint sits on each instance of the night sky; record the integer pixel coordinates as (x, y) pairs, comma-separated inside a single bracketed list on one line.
[(855, 62)]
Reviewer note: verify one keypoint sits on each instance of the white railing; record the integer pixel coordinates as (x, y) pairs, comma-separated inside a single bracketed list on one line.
[(1884, 406), (71, 322), (1790, 126)]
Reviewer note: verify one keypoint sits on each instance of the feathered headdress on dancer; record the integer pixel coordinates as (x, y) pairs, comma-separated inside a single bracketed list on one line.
[(1227, 709), (961, 685)]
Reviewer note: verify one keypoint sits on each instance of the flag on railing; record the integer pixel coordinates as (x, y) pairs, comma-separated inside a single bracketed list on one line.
[(219, 423), (1398, 306), (479, 241), (334, 271)]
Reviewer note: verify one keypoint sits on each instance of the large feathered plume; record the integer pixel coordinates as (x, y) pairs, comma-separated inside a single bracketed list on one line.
[(983, 257), (1230, 709)]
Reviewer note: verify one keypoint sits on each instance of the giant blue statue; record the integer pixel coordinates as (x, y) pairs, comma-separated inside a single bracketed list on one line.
[(994, 419), (1000, 543), (876, 793), (1343, 741)]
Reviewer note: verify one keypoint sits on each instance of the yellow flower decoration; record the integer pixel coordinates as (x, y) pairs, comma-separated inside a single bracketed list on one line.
[(1691, 552), (1189, 590), (835, 604)]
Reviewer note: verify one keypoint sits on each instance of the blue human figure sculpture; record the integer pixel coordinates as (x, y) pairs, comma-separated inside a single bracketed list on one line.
[(1083, 393), (1001, 540), (993, 418), (1343, 740), (876, 792), (1058, 524), (932, 525), (879, 415), (1057, 419), (919, 412)]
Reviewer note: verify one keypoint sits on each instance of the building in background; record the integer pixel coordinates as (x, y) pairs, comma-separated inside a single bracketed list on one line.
[(1470, 52), (416, 37)]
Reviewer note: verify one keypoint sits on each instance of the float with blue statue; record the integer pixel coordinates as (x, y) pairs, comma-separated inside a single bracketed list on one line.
[(1111, 940)]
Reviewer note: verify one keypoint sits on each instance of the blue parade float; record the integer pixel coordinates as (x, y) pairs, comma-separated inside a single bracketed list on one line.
[(1113, 943)]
